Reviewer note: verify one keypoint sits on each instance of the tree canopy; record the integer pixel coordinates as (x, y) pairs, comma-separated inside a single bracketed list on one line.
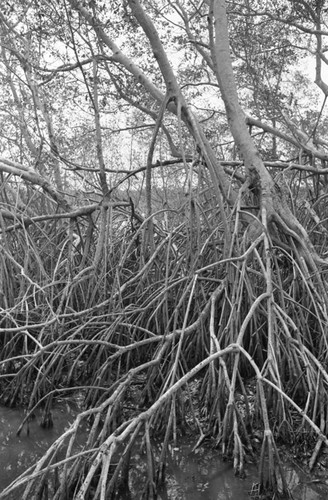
[(163, 229)]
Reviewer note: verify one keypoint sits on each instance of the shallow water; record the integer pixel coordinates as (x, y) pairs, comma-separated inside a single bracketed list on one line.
[(205, 476), (18, 453), (200, 475)]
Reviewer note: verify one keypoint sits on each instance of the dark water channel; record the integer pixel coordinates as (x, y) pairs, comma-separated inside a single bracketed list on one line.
[(200, 475)]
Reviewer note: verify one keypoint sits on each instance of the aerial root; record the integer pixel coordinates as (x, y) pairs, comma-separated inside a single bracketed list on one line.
[(238, 455), (271, 476), (150, 490), (231, 440), (315, 454)]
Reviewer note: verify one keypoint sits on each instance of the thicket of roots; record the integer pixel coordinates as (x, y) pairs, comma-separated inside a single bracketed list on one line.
[(158, 339)]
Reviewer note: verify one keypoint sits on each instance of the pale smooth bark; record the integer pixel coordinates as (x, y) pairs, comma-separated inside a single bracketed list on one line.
[(258, 177)]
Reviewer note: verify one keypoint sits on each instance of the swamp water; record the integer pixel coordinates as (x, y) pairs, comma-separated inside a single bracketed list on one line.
[(200, 475)]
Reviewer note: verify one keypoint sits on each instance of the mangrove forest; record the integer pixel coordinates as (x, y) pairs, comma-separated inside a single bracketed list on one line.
[(164, 237)]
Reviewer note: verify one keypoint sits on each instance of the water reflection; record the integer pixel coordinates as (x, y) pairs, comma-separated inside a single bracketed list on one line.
[(18, 453), (200, 475), (204, 476)]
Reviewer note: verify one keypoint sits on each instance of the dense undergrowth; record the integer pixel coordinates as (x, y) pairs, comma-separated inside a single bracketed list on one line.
[(94, 305)]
